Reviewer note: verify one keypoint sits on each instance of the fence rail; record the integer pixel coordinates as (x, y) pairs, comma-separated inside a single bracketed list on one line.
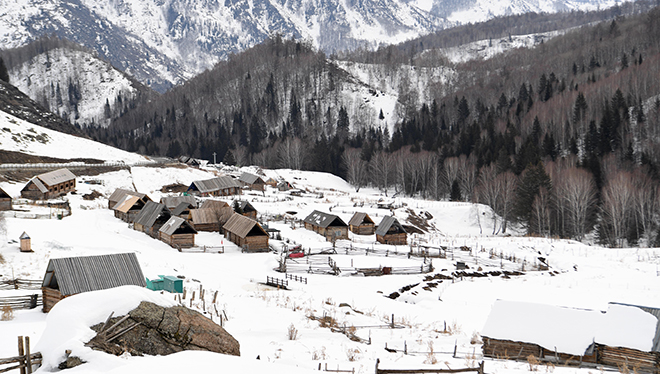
[(20, 284), (75, 165), (21, 302), (479, 369), (276, 282), (25, 360)]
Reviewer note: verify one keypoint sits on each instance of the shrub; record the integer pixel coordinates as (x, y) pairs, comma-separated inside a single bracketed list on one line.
[(7, 313), (292, 332)]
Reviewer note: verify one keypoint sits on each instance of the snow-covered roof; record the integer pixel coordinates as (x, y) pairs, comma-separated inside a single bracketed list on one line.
[(173, 224), (568, 330), (629, 326), (56, 176), (324, 220)]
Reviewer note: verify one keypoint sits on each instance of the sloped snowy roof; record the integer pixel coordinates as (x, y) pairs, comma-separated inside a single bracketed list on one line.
[(629, 326), (324, 220), (568, 330), (173, 224), (56, 176)]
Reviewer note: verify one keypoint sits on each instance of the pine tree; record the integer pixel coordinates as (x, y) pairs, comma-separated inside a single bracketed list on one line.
[(455, 194), (4, 74), (533, 179)]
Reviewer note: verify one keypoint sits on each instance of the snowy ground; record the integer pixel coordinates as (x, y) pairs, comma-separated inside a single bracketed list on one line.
[(430, 319)]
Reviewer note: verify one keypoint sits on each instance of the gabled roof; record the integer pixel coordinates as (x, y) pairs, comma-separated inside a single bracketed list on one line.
[(150, 213), (360, 218), (24, 235), (324, 220), (246, 206), (173, 201), (242, 225), (182, 208), (630, 326), (568, 330), (35, 180), (250, 178), (206, 216), (3, 194), (74, 275), (387, 223), (56, 176), (119, 193), (213, 204), (126, 203), (175, 223), (215, 184)]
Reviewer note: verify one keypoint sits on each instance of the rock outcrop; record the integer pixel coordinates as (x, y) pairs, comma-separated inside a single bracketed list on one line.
[(161, 331)]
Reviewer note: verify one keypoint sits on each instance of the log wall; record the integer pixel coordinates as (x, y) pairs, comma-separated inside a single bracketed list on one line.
[(626, 358), (50, 297), (393, 239), (364, 229)]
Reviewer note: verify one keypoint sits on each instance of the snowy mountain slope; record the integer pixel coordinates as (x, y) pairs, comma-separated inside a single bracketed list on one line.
[(75, 85), (21, 136), (163, 42)]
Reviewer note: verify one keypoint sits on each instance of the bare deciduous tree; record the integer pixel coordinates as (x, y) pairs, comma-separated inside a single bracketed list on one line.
[(615, 207), (382, 167), (576, 194), (356, 168)]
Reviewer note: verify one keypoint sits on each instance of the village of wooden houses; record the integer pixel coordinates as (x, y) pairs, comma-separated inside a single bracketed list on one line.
[(448, 299)]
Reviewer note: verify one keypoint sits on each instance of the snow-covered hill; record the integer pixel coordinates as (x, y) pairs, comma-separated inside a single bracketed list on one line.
[(21, 136), (75, 85), (162, 42)]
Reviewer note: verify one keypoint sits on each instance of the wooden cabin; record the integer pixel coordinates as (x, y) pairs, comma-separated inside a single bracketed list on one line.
[(178, 233), (214, 204), (245, 208), (253, 182), (362, 224), (128, 208), (120, 193), (73, 275), (26, 243), (220, 186), (329, 225), (516, 330), (246, 233), (50, 185), (284, 186), (209, 219), (271, 182), (5, 200), (172, 202), (390, 231), (183, 210), (151, 218)]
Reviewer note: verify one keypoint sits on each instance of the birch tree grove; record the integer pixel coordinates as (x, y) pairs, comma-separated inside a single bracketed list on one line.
[(615, 207), (576, 194)]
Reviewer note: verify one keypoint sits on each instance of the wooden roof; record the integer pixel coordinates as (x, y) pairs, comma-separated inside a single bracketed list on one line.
[(214, 184), (387, 223), (250, 178), (119, 194), (246, 206), (73, 275), (172, 202), (56, 176), (213, 204), (175, 224), (150, 213), (3, 194), (242, 226), (360, 218), (317, 218), (205, 216), (182, 208), (125, 204)]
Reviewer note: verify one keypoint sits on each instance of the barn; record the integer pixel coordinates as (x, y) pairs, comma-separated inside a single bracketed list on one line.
[(120, 193), (178, 233), (219, 186), (151, 218), (245, 208), (253, 182), (328, 225), (246, 233), (209, 219), (362, 224), (390, 231), (73, 275), (49, 185), (128, 208), (5, 200)]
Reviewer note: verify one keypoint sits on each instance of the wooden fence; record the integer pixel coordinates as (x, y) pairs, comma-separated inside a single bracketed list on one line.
[(21, 302), (479, 369), (25, 360), (20, 284), (296, 278), (276, 282)]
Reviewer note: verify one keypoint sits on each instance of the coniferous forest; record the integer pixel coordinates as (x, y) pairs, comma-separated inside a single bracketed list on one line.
[(562, 138)]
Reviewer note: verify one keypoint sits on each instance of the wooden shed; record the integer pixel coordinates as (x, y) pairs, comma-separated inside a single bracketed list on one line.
[(50, 185), (246, 233), (253, 182), (328, 225), (120, 193), (73, 275), (245, 208), (213, 204), (151, 218), (183, 210), (5, 200), (26, 242), (210, 219), (516, 330), (178, 233), (390, 231), (362, 224), (219, 186), (171, 202), (128, 208)]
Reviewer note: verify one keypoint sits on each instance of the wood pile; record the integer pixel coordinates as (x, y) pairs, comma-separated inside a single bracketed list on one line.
[(629, 358)]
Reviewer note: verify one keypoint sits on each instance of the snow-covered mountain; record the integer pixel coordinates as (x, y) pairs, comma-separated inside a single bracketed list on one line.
[(76, 85), (163, 42)]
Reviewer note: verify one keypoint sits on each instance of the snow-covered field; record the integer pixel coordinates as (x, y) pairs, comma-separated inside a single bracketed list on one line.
[(431, 318)]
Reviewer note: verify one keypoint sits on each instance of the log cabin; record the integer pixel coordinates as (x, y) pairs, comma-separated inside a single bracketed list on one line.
[(390, 231), (362, 224), (171, 202), (329, 225), (120, 193), (178, 233), (246, 233), (210, 219), (5, 200), (151, 218), (253, 182), (219, 186), (50, 185), (73, 275), (245, 208), (128, 208)]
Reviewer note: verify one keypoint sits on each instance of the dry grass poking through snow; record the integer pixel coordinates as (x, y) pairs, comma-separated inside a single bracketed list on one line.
[(7, 313)]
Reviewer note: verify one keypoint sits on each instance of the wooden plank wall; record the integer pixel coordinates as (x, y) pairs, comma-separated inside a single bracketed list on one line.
[(50, 297)]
